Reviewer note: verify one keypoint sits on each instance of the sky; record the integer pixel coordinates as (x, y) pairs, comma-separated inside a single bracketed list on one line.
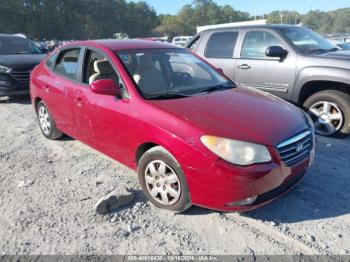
[(255, 6)]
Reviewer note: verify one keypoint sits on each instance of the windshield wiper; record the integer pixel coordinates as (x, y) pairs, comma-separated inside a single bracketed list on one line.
[(20, 53), (169, 95), (334, 49), (320, 50), (217, 88)]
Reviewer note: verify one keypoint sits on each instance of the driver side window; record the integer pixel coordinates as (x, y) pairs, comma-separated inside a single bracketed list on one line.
[(97, 67), (255, 44)]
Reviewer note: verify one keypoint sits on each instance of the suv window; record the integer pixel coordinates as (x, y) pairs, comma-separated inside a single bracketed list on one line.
[(255, 44), (221, 45), (97, 67), (67, 63)]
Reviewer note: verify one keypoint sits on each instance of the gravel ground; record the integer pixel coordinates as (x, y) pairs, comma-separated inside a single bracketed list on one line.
[(48, 190)]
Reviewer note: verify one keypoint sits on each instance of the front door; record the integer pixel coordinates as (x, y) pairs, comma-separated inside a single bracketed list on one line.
[(101, 120), (254, 69)]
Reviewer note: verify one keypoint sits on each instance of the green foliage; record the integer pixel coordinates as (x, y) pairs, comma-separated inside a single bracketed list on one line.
[(337, 21), (87, 19), (76, 19), (201, 12)]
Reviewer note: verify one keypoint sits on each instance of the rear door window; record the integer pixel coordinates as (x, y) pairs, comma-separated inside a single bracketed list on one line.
[(67, 63), (221, 45)]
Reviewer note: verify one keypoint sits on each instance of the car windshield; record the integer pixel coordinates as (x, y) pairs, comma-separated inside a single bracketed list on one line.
[(17, 45), (307, 41), (171, 73)]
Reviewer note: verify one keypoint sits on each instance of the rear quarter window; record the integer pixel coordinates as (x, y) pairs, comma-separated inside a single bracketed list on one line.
[(50, 61)]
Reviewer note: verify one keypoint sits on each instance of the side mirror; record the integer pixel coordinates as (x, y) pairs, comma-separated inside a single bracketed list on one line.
[(276, 51), (220, 70), (105, 87)]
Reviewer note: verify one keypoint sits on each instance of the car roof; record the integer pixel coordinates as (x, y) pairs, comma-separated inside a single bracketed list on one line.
[(118, 45), (268, 26)]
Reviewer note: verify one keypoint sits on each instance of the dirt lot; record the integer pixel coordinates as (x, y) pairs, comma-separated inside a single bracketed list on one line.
[(48, 191)]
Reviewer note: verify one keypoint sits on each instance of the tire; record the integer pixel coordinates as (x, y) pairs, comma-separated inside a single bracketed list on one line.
[(164, 184), (46, 123), (337, 115)]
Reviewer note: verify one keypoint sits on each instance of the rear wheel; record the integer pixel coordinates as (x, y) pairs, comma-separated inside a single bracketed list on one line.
[(162, 180), (46, 123), (330, 111)]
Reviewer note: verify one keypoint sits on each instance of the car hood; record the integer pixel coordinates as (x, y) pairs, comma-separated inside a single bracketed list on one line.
[(240, 113), (21, 61)]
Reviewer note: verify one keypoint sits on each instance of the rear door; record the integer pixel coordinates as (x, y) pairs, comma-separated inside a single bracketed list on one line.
[(219, 49), (254, 69), (58, 87)]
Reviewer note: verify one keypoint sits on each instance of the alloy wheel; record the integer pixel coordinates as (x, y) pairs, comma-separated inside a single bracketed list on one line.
[(44, 120), (327, 116), (162, 182)]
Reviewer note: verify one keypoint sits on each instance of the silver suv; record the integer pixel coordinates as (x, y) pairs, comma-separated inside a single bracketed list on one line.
[(291, 62)]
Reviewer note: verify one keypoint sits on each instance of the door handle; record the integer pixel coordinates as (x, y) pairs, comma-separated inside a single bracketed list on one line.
[(79, 101), (244, 67)]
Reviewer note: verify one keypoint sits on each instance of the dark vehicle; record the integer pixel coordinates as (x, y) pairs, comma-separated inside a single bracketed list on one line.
[(291, 62), (18, 56)]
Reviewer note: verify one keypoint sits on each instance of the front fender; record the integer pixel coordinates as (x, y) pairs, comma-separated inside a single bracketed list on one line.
[(319, 73)]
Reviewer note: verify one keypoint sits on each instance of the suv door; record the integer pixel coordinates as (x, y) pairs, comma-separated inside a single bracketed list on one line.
[(253, 68), (219, 50)]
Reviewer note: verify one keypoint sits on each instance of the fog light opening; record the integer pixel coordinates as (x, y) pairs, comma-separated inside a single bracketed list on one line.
[(245, 202)]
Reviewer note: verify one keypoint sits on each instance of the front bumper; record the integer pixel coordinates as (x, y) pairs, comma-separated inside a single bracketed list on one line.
[(11, 86), (219, 185)]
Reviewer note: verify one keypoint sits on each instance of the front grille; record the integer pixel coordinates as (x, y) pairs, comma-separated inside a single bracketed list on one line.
[(21, 76), (296, 148)]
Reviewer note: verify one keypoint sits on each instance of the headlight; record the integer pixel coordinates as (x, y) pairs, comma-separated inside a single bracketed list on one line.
[(237, 152), (4, 69), (309, 120), (312, 127)]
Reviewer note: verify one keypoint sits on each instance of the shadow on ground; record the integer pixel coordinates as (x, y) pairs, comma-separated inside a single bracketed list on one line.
[(25, 100)]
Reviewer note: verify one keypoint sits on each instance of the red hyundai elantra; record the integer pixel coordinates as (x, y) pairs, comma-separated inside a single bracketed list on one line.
[(192, 134)]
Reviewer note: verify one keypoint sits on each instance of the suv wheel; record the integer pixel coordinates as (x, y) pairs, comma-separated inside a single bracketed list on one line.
[(162, 180), (46, 123), (330, 111)]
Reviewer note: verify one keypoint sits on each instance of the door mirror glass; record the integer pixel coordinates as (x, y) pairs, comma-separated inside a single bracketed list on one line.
[(276, 51), (105, 87)]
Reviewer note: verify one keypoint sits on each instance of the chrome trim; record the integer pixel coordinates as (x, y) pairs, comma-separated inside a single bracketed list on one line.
[(294, 139), (290, 161)]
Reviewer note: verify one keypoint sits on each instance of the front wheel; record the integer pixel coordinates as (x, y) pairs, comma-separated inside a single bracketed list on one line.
[(46, 123), (330, 111), (163, 181)]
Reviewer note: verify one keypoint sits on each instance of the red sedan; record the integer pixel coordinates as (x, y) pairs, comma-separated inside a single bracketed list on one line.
[(192, 134)]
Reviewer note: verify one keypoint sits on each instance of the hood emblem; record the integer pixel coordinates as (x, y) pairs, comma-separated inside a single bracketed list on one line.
[(299, 147)]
